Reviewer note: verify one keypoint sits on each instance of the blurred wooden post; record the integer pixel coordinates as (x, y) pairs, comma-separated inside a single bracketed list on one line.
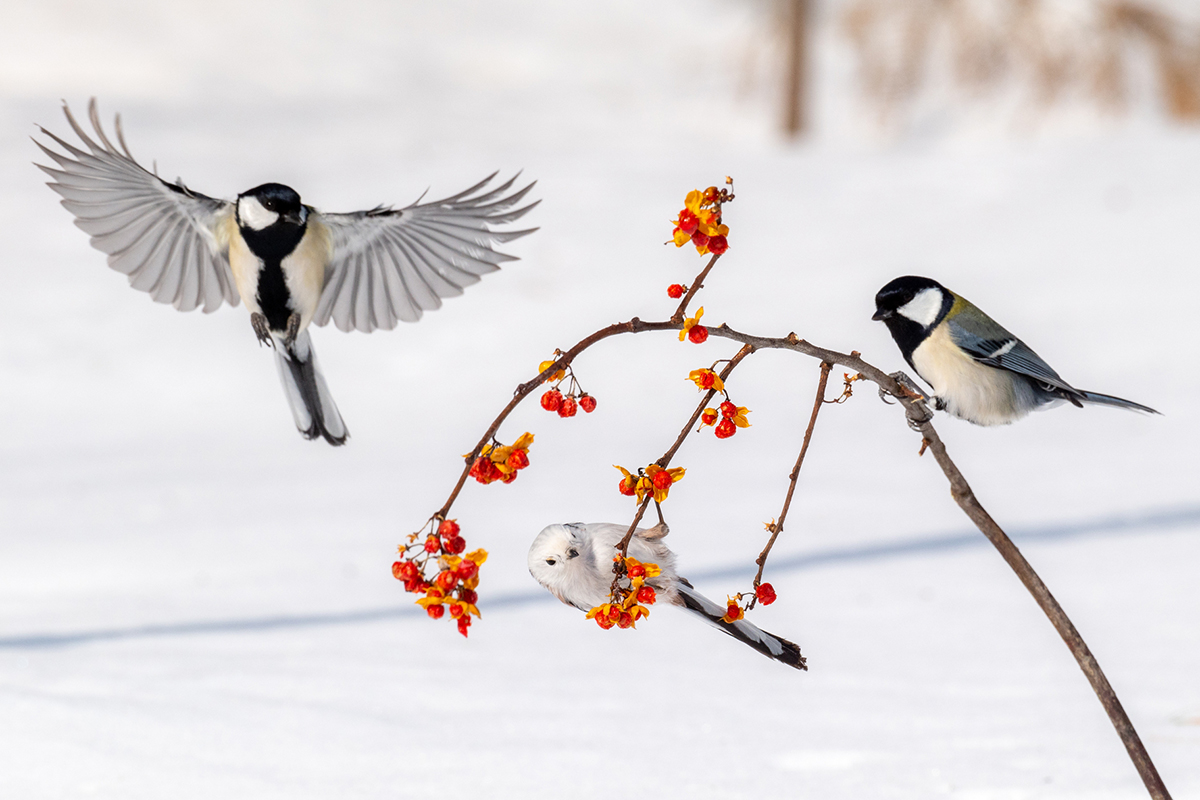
[(795, 101)]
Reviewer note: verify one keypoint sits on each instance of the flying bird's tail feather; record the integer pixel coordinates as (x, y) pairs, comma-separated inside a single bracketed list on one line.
[(768, 644), (1109, 400), (312, 405)]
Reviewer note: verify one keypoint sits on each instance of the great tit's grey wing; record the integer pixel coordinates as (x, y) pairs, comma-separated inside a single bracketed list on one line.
[(390, 265), (988, 343), (168, 239)]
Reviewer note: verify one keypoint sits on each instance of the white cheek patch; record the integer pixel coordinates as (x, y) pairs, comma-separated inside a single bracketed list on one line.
[(252, 214), (924, 308)]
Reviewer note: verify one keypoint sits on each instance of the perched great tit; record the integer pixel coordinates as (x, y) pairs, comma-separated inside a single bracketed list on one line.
[(291, 264), (978, 370)]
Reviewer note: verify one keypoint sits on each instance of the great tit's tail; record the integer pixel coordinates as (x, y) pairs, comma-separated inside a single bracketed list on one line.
[(1109, 400), (312, 405), (768, 644)]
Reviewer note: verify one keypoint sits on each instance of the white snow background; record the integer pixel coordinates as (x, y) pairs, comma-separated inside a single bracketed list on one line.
[(195, 602)]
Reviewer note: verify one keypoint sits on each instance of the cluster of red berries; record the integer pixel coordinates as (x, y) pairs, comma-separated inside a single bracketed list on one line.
[(699, 222), (732, 418), (497, 462), (453, 587), (566, 405), (763, 593), (629, 602)]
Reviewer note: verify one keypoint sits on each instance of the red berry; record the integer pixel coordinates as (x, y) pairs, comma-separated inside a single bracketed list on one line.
[(448, 529), (413, 585), (637, 571), (467, 569), (726, 429), (626, 486), (625, 620), (455, 545), (614, 613), (456, 611), (699, 239), (587, 403), (464, 622), (467, 596), (707, 379), (507, 477), (662, 480), (688, 222), (398, 570), (432, 545), (675, 291), (604, 622), (568, 407), (404, 570), (446, 580), (484, 471), (647, 595), (436, 611), (732, 611), (709, 417), (765, 593), (551, 400), (728, 409), (698, 334), (518, 460), (718, 244)]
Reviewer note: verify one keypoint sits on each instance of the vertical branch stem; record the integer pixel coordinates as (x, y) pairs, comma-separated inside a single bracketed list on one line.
[(920, 418), (776, 528), (795, 100)]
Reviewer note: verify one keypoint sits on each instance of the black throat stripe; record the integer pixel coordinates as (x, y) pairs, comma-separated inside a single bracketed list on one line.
[(272, 245)]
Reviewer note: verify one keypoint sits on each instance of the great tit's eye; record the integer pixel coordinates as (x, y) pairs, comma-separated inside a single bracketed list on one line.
[(572, 553), (551, 561)]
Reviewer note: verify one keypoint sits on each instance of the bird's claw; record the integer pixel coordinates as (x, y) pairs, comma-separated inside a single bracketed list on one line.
[(293, 330), (262, 329)]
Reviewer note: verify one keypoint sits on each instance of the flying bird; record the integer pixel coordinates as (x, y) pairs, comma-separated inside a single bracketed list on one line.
[(291, 264), (978, 370), (574, 562)]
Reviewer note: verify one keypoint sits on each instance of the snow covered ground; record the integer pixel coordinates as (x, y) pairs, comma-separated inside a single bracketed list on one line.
[(194, 602)]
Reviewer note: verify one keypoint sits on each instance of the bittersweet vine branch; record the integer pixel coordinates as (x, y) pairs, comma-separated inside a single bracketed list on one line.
[(776, 526)]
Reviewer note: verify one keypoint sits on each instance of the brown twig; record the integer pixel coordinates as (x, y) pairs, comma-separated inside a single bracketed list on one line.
[(777, 527), (920, 419), (696, 286), (746, 350)]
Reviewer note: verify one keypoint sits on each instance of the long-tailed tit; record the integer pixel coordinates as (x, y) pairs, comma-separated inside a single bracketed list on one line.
[(574, 561)]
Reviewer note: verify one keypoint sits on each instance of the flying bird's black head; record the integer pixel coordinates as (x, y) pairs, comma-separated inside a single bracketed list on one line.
[(911, 307), (270, 204)]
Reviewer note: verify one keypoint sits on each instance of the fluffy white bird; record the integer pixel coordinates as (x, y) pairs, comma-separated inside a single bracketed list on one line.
[(291, 264), (574, 561)]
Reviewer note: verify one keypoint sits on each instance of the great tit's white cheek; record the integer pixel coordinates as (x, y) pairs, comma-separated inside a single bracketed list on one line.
[(924, 308), (252, 214)]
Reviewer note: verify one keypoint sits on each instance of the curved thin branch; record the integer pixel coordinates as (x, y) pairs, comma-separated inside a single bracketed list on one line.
[(776, 527)]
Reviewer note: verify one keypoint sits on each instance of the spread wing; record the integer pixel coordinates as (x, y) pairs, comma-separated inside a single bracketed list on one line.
[(996, 347), (391, 265), (164, 236)]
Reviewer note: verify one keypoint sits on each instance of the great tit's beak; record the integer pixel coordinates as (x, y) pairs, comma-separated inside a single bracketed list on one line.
[(881, 315), (294, 217)]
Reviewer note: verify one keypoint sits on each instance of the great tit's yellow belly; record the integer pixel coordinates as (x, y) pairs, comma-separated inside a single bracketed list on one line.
[(970, 390), (303, 273)]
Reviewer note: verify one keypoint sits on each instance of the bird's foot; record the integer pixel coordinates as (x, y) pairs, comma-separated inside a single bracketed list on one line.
[(293, 330), (262, 329), (908, 390)]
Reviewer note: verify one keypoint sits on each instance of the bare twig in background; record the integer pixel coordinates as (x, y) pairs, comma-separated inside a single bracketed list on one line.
[(898, 44), (795, 99), (776, 527)]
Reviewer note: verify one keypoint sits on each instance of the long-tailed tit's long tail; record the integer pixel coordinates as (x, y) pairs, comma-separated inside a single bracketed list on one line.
[(312, 405), (768, 644)]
